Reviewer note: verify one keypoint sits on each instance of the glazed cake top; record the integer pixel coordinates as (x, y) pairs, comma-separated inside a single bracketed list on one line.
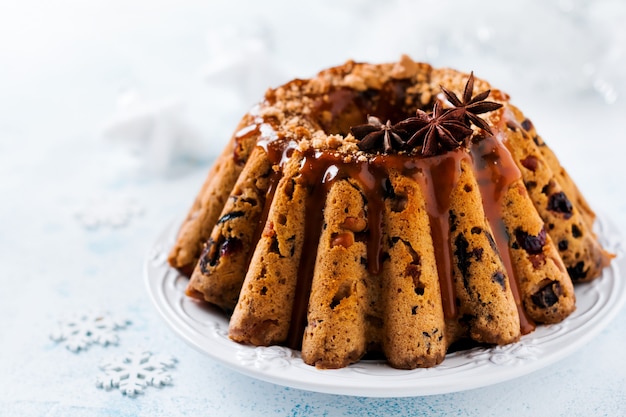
[(320, 113)]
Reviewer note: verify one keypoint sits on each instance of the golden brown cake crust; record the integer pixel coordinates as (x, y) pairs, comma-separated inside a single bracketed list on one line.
[(336, 330), (219, 274), (263, 313), (414, 328), (546, 290), (481, 280), (582, 254)]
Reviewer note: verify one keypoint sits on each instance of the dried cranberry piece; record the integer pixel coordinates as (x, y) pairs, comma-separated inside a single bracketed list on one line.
[(558, 202), (214, 250), (548, 295), (531, 244), (210, 255), (231, 246), (577, 272), (530, 162)]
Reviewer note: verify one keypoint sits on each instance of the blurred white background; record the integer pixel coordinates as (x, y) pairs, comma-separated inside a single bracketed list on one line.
[(131, 100), (100, 66)]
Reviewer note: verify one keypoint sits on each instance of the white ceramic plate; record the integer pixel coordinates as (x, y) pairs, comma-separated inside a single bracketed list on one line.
[(206, 329)]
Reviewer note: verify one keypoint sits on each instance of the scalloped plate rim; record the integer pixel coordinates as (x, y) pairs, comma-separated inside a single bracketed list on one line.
[(358, 379)]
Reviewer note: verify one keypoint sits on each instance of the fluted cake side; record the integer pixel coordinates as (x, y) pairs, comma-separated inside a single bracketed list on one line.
[(387, 210)]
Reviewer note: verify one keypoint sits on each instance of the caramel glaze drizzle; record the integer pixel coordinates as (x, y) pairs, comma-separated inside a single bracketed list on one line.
[(495, 171), (437, 175), (278, 153)]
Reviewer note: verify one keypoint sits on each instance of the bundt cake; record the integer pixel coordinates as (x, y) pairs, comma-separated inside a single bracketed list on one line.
[(390, 210)]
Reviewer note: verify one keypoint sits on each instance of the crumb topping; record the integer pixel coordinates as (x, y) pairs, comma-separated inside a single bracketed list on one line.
[(302, 110)]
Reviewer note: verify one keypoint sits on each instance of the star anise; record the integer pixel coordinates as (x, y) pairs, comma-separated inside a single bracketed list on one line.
[(471, 107), (440, 130), (443, 128), (375, 134)]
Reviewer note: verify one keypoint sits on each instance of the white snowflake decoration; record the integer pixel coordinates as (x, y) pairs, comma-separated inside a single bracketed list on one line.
[(132, 373), (79, 331), (108, 211)]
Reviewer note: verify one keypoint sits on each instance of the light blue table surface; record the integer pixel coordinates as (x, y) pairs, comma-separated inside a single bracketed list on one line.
[(112, 113)]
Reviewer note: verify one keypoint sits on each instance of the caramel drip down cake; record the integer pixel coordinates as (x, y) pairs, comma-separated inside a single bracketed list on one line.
[(390, 210)]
